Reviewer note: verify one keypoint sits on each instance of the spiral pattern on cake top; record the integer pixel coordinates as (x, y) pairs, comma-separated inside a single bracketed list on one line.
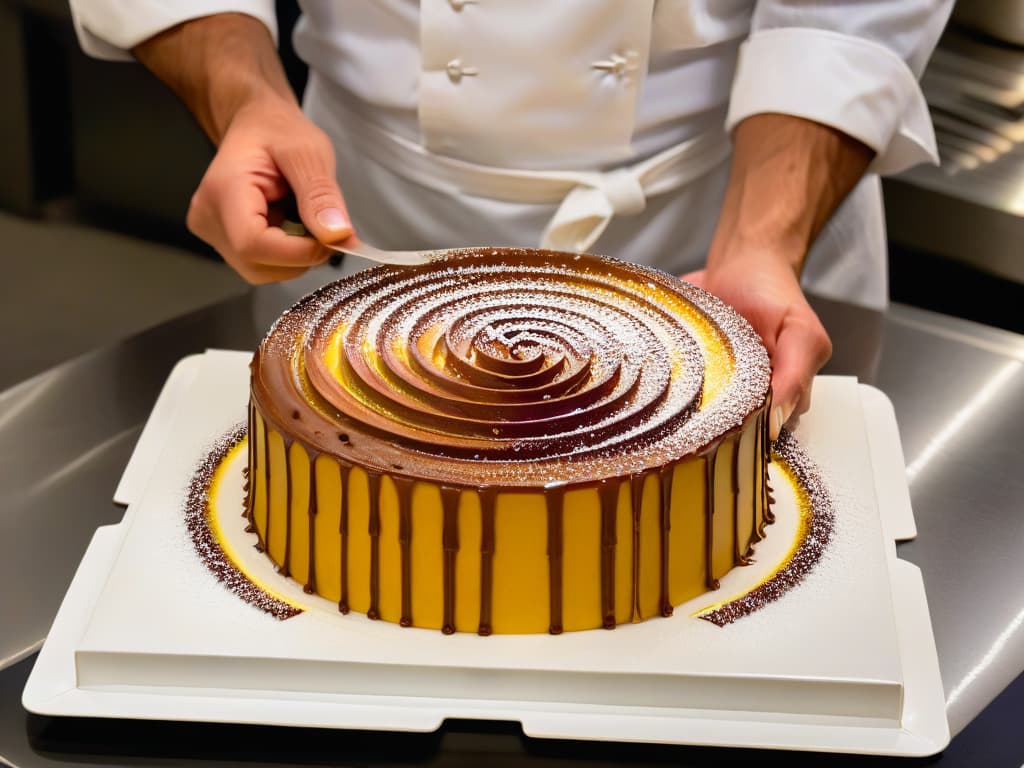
[(531, 367)]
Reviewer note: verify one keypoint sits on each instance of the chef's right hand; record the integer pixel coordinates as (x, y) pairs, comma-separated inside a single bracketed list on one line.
[(268, 151), (766, 291), (788, 175), (226, 70)]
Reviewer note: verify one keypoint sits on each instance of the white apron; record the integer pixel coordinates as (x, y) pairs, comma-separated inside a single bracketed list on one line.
[(486, 122), (587, 124)]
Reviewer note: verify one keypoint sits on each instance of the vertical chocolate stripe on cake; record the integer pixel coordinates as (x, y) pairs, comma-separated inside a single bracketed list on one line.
[(710, 459), (488, 496), (555, 502), (374, 530), (343, 543), (757, 508), (286, 561), (766, 515), (609, 498), (264, 545), (450, 546), (636, 506), (665, 485), (310, 587), (739, 557), (404, 487)]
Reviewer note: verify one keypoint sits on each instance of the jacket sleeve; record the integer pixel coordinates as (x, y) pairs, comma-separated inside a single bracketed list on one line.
[(109, 29), (853, 65)]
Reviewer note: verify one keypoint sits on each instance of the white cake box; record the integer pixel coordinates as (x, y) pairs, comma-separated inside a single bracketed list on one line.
[(844, 662)]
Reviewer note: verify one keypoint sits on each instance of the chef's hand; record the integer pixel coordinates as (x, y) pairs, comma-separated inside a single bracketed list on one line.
[(767, 293), (788, 176), (269, 150), (226, 70)]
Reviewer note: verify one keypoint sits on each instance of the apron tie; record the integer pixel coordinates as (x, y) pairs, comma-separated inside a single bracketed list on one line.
[(588, 209)]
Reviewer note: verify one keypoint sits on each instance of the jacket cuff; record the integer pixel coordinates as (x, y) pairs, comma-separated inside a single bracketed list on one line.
[(849, 83), (109, 29)]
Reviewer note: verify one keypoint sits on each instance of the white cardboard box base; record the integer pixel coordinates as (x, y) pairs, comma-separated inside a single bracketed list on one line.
[(146, 632)]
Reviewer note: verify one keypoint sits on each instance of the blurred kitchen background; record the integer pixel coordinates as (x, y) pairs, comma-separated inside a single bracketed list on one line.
[(98, 162)]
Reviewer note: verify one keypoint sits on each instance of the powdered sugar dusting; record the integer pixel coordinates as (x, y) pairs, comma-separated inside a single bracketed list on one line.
[(819, 510), (197, 521)]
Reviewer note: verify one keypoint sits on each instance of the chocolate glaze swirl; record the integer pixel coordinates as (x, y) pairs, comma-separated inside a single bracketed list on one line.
[(519, 367)]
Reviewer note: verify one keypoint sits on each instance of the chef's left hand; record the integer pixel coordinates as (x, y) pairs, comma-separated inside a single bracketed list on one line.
[(766, 291)]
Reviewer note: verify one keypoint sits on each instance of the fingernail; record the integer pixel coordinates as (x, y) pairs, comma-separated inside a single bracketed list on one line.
[(775, 422), (332, 218)]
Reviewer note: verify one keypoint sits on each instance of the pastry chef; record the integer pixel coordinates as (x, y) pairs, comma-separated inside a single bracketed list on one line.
[(737, 143)]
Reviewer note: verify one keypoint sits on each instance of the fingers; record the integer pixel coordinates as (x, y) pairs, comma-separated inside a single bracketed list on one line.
[(308, 167), (276, 255), (229, 211), (764, 288), (266, 154), (799, 351)]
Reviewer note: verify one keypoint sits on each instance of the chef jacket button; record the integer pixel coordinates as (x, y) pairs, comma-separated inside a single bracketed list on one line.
[(458, 5), (456, 70), (618, 64)]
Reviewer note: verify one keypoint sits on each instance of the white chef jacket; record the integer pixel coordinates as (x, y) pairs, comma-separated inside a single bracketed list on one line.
[(597, 125)]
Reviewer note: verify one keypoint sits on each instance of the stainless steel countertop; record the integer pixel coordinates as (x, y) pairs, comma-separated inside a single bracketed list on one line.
[(957, 388)]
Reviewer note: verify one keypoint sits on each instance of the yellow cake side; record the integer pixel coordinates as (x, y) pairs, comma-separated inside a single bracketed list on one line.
[(509, 561)]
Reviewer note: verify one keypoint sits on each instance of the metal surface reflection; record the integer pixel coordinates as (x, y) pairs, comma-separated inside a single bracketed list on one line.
[(963, 416), (957, 388)]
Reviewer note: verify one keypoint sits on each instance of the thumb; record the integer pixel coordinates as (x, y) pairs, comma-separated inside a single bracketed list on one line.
[(696, 277), (800, 350), (310, 173)]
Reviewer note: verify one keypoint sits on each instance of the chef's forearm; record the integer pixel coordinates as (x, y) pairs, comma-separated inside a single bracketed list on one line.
[(788, 176), (216, 65)]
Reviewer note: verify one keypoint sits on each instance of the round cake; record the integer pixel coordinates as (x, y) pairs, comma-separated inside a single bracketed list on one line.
[(509, 441)]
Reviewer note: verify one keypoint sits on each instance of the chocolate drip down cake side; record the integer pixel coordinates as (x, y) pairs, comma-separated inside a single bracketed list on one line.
[(509, 441)]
